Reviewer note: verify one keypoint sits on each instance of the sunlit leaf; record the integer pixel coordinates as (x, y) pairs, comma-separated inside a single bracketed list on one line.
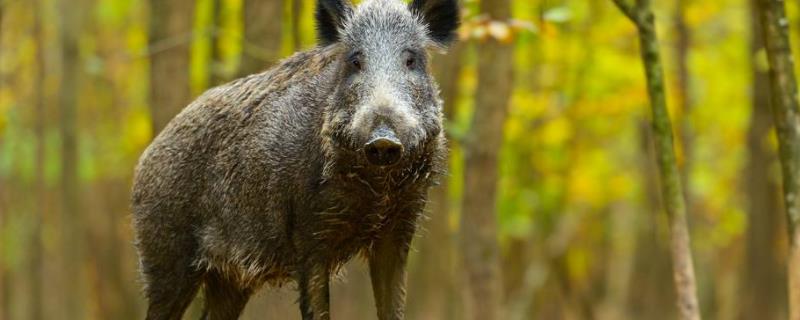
[(558, 14), (500, 31), (523, 25)]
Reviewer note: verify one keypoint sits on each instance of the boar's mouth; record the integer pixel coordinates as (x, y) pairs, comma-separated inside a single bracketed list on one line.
[(381, 153), (419, 164)]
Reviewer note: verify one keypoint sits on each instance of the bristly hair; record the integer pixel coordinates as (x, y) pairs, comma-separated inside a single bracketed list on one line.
[(330, 15), (441, 16)]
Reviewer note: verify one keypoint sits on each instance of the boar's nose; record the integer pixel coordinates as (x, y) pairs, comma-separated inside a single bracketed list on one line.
[(383, 151), (384, 148)]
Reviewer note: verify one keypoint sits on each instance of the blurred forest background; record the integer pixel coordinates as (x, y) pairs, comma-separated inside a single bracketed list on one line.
[(576, 213)]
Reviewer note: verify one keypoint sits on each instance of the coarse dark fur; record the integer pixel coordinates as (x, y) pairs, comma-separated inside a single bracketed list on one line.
[(265, 180)]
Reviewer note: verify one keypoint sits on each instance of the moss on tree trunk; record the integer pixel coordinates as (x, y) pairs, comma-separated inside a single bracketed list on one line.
[(786, 114), (671, 190)]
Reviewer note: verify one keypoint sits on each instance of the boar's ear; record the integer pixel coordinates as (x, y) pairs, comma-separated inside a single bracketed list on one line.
[(330, 16), (441, 16)]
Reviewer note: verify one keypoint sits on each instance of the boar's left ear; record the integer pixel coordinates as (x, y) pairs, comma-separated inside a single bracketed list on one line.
[(441, 16), (330, 17)]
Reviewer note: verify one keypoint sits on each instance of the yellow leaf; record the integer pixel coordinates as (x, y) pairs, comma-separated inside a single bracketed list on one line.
[(500, 31), (479, 32), (556, 132), (522, 25)]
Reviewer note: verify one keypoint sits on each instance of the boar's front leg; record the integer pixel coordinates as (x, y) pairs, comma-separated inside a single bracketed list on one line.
[(387, 262), (314, 292)]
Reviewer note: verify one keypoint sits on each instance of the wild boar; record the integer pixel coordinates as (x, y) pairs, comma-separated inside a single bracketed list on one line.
[(285, 175)]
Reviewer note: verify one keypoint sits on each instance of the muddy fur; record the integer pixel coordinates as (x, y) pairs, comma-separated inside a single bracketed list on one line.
[(264, 180)]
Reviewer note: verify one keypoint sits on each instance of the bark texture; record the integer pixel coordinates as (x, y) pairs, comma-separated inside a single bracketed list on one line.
[(262, 36), (786, 114), (671, 190), (762, 295), (479, 225), (170, 39)]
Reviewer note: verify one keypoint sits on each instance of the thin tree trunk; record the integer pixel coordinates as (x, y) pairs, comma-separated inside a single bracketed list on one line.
[(5, 274), (650, 284), (216, 63), (786, 113), (432, 284), (479, 226), (37, 247), (170, 34), (5, 277), (762, 295), (620, 262), (683, 270), (682, 46), (5, 288), (71, 215), (262, 37), (297, 32), (126, 291)]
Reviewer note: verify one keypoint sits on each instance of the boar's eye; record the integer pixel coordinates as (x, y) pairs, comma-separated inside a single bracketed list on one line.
[(410, 62), (411, 59), (355, 61)]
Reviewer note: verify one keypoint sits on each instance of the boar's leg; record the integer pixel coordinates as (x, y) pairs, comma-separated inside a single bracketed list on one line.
[(224, 299), (314, 293), (169, 292), (387, 261)]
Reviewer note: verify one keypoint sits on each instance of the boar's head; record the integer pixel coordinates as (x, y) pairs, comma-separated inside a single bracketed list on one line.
[(385, 107)]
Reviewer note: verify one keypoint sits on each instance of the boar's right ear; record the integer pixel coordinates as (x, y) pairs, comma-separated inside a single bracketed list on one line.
[(441, 16), (330, 17)]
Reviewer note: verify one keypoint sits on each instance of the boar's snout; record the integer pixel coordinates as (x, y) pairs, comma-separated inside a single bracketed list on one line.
[(383, 148)]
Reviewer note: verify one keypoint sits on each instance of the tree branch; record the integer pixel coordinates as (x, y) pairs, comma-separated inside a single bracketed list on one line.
[(627, 9), (642, 5)]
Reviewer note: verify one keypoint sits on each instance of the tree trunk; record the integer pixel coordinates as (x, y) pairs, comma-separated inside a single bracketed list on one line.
[(5, 273), (620, 261), (762, 295), (786, 113), (671, 190), (432, 282), (37, 247), (479, 225), (650, 284), (71, 215), (262, 37), (297, 19), (682, 46), (216, 67), (683, 269), (5, 288), (170, 35)]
